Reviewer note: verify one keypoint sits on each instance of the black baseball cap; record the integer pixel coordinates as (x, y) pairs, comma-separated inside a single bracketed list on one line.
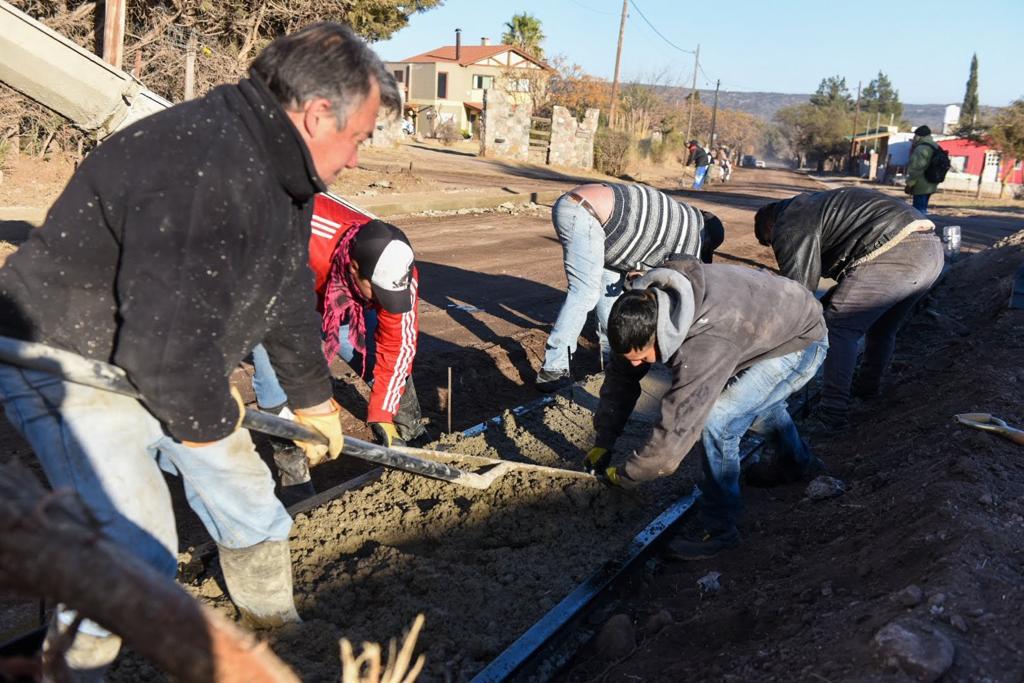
[(385, 258)]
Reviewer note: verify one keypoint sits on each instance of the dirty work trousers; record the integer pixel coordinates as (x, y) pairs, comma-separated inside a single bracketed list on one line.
[(755, 400), (112, 453), (873, 300), (591, 286), (270, 394)]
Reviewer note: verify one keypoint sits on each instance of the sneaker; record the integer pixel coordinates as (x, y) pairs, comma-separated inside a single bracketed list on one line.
[(705, 546), (550, 381)]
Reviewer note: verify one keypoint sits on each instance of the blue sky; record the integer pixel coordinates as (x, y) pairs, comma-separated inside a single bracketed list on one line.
[(774, 45)]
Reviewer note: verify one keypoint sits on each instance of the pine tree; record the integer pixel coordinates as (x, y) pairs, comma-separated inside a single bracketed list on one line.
[(880, 97), (832, 91), (969, 109)]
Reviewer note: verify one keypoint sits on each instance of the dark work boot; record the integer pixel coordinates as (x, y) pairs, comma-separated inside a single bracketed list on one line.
[(409, 418), (293, 473), (703, 545)]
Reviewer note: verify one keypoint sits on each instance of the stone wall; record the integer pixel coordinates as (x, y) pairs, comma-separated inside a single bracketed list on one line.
[(387, 132), (505, 128), (572, 142)]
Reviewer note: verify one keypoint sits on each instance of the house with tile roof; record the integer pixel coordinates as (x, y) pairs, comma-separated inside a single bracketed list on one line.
[(448, 83)]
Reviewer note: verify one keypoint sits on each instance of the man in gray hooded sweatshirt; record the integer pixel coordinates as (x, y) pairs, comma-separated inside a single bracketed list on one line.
[(738, 342)]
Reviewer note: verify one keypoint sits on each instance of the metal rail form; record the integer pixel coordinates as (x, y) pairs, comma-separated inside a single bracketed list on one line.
[(528, 644), (529, 649)]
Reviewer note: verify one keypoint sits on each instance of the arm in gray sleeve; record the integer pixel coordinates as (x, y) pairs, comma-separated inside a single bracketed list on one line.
[(685, 407), (619, 394)]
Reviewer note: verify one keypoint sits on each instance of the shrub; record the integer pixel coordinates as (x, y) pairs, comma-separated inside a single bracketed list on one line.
[(612, 151), (449, 133)]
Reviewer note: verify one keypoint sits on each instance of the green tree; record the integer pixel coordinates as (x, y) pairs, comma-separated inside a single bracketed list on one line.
[(832, 91), (816, 132), (879, 97), (1007, 135), (524, 31), (969, 109)]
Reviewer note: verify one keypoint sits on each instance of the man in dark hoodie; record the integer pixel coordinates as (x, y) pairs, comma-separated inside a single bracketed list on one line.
[(178, 245), (885, 256), (738, 343)]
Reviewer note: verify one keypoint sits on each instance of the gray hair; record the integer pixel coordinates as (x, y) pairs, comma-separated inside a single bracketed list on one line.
[(326, 60)]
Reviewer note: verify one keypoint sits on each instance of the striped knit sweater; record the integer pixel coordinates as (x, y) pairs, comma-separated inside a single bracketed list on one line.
[(646, 226)]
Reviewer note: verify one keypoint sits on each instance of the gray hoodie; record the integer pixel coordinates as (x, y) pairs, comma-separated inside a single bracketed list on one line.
[(713, 321)]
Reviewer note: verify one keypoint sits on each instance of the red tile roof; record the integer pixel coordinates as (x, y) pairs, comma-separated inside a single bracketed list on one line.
[(471, 54)]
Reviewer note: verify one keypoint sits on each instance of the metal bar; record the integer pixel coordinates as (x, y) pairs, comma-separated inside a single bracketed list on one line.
[(530, 642)]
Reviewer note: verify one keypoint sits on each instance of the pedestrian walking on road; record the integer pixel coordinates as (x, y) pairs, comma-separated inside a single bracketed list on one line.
[(607, 231), (700, 160), (178, 245), (738, 342), (885, 256)]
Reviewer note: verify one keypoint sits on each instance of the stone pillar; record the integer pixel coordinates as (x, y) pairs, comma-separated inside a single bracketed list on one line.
[(572, 142), (505, 127), (387, 132)]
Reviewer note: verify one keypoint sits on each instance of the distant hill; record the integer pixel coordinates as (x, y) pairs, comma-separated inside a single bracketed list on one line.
[(763, 105)]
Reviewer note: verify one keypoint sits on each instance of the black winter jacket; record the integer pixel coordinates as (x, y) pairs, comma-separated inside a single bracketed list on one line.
[(699, 157), (713, 321), (178, 245), (824, 233)]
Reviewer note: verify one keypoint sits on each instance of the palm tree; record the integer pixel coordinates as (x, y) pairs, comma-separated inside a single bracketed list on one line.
[(525, 33)]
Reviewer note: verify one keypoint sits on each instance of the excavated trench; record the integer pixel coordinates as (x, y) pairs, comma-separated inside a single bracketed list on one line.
[(482, 566)]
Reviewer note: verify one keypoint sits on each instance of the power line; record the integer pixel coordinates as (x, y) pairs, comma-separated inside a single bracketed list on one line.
[(591, 9), (640, 12)]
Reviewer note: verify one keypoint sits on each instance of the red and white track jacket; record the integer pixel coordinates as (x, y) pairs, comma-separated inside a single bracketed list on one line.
[(396, 332)]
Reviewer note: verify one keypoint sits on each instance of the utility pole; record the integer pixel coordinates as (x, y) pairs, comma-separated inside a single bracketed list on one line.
[(190, 65), (714, 115), (853, 138), (618, 61), (693, 93), (113, 32)]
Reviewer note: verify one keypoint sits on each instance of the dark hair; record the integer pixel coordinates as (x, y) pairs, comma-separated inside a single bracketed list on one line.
[(764, 221), (633, 321), (714, 231), (325, 60)]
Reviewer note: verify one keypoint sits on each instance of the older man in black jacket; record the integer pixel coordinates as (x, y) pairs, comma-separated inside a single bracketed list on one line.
[(178, 245), (885, 256)]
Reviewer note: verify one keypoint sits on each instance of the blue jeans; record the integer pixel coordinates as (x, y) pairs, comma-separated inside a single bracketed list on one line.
[(592, 287), (110, 450), (698, 177), (921, 202), (270, 394), (755, 400)]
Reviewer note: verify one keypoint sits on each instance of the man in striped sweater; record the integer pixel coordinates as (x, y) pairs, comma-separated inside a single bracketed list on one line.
[(607, 231), (367, 294)]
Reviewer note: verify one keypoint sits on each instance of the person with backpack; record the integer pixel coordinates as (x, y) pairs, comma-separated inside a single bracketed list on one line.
[(928, 166), (884, 255)]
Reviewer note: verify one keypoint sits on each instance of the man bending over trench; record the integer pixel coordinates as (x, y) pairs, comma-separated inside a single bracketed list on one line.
[(738, 343), (885, 256), (608, 231)]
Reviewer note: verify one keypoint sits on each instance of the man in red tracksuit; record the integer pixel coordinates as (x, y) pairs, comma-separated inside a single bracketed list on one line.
[(367, 293)]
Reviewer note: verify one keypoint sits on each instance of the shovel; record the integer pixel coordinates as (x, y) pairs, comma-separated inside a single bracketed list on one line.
[(99, 375), (990, 423)]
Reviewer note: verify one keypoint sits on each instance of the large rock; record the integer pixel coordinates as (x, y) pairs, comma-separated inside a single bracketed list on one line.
[(823, 487), (617, 638), (917, 648)]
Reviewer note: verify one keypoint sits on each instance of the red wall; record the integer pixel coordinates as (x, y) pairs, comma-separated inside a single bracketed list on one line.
[(975, 153)]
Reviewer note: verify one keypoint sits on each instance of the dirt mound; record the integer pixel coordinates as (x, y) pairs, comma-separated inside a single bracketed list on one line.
[(929, 531), (482, 565)]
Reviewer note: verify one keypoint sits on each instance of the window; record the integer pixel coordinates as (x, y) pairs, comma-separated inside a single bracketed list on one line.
[(442, 86), (520, 85), (399, 76), (481, 82), (958, 164)]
